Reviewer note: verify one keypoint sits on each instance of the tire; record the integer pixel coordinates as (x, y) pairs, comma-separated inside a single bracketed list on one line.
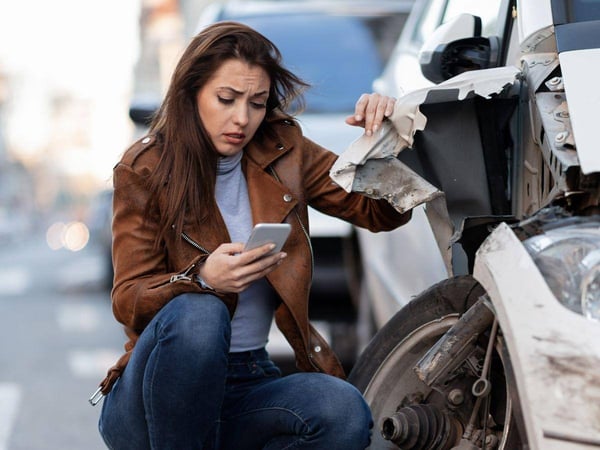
[(384, 371)]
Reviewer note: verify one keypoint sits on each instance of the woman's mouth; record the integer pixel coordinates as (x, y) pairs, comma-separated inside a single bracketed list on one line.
[(235, 138)]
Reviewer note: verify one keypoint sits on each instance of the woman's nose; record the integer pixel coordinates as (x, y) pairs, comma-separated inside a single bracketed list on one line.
[(240, 116)]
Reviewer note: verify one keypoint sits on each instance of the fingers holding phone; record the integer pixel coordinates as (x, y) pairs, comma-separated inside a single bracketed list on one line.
[(267, 252), (232, 267), (261, 261), (264, 246)]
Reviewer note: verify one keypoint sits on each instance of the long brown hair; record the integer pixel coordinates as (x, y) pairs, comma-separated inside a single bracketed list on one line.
[(186, 173)]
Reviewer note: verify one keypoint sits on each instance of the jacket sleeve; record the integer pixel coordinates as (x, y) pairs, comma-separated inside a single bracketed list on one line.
[(328, 197), (142, 284)]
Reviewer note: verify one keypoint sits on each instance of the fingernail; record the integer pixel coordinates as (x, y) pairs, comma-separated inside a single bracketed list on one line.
[(283, 255), (369, 133), (375, 128), (271, 246), (358, 117)]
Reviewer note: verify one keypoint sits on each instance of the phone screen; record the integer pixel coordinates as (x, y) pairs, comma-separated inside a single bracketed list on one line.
[(264, 233)]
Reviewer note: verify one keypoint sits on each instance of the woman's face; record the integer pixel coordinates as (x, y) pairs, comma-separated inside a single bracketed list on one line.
[(232, 104)]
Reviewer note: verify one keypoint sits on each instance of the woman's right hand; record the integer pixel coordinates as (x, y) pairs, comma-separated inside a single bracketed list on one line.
[(370, 111), (230, 269)]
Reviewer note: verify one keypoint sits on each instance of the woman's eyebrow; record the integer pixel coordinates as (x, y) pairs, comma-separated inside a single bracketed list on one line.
[(235, 91)]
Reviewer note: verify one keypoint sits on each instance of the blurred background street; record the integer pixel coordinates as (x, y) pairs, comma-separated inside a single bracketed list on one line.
[(66, 75)]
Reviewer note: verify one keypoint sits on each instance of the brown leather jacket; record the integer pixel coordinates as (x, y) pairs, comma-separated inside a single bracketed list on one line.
[(284, 175)]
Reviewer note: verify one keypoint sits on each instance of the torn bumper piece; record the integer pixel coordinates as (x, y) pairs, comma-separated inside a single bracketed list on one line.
[(369, 165)]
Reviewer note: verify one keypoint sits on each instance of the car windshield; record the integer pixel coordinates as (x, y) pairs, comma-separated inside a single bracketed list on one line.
[(441, 11), (337, 55)]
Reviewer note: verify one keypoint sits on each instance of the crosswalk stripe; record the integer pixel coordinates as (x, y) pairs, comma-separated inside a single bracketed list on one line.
[(10, 396)]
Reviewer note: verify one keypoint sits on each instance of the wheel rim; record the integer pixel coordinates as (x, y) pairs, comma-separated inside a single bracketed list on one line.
[(384, 396)]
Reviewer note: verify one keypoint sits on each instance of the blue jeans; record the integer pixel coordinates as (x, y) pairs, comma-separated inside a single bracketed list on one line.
[(182, 389)]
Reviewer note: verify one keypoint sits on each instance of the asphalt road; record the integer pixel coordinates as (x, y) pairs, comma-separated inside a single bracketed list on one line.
[(58, 337)]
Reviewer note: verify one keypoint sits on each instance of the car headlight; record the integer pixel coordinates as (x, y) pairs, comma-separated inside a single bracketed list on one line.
[(569, 260)]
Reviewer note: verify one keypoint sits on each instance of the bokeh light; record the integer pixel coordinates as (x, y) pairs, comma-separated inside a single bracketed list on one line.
[(73, 236), (77, 236), (54, 235)]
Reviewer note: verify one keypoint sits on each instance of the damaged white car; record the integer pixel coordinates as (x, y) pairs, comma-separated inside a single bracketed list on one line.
[(504, 351)]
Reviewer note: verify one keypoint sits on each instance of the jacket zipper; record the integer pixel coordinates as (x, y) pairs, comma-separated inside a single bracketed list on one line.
[(184, 275), (189, 240)]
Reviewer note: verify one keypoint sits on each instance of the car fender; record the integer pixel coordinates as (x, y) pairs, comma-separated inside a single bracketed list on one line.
[(557, 371)]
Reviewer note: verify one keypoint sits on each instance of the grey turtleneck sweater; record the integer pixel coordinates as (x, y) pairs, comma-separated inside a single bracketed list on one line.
[(254, 314)]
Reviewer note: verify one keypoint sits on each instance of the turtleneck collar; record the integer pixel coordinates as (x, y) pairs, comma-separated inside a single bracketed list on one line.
[(227, 163)]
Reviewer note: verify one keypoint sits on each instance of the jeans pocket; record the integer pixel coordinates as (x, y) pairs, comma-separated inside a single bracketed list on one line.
[(269, 368), (253, 371)]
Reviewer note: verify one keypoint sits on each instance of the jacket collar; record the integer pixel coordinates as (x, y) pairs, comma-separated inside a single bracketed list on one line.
[(264, 150), (271, 200)]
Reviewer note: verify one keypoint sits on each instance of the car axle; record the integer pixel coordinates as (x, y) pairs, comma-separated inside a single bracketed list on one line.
[(421, 426)]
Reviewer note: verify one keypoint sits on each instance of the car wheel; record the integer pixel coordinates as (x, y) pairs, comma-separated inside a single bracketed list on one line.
[(432, 418)]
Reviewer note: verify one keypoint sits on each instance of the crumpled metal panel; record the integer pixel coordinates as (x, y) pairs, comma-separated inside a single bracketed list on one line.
[(369, 165), (390, 179), (394, 181), (398, 134)]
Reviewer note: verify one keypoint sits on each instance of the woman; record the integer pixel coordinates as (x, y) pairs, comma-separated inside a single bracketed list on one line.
[(221, 156)]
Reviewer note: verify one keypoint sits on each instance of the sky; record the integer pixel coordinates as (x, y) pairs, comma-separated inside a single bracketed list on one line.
[(78, 49)]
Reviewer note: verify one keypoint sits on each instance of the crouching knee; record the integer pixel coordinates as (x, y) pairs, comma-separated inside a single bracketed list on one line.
[(344, 417), (195, 320)]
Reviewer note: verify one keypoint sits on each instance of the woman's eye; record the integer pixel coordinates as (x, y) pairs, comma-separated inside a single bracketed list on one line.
[(258, 105), (226, 101)]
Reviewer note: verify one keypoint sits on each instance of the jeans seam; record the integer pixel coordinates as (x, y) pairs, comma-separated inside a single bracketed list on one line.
[(270, 408), (278, 408), (292, 445)]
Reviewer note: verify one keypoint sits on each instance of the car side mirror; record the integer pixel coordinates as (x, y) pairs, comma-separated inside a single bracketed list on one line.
[(456, 47)]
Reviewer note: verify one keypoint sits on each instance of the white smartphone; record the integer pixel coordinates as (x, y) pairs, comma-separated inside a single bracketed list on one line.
[(263, 233)]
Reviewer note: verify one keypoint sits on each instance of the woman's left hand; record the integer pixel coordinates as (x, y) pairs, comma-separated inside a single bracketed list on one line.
[(370, 110)]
